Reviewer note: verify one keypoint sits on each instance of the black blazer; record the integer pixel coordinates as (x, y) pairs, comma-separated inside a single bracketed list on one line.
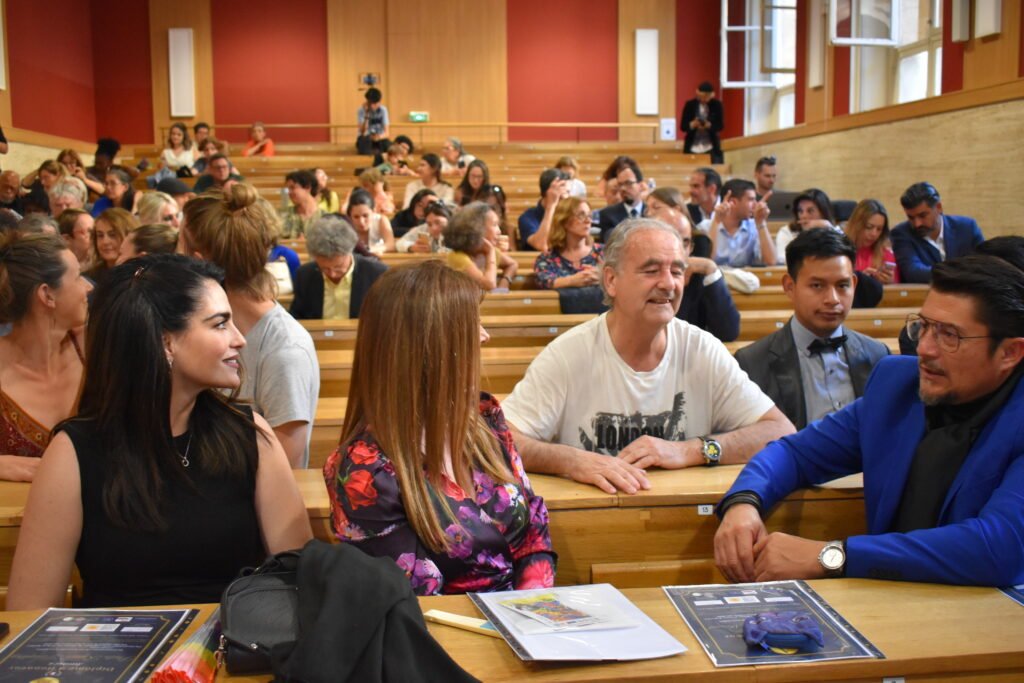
[(308, 303), (716, 117), (773, 364), (610, 216)]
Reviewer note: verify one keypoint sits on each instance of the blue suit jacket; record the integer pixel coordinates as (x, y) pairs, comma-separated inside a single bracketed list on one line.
[(915, 257), (979, 539)]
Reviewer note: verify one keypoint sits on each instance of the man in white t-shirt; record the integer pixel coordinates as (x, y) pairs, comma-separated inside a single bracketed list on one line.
[(636, 387)]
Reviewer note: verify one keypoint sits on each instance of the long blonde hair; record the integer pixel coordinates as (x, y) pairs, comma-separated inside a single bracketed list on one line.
[(864, 210), (419, 338)]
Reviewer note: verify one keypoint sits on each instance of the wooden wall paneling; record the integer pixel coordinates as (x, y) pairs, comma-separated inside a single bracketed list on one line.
[(429, 42), (194, 14), (356, 43), (995, 59), (656, 14), (881, 161)]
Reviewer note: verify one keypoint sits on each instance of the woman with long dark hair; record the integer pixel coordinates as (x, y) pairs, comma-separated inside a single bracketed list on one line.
[(161, 489), (475, 184), (430, 476)]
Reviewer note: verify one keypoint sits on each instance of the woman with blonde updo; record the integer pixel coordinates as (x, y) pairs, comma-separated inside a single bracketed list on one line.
[(158, 207), (236, 230), (43, 299)]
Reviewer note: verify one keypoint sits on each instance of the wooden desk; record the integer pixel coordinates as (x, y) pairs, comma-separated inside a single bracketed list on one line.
[(926, 632), (770, 297), (661, 535)]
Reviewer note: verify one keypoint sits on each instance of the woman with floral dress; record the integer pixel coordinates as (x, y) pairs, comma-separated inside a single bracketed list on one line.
[(572, 258), (429, 475)]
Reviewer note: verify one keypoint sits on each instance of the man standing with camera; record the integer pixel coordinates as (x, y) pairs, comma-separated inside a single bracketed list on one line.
[(702, 121)]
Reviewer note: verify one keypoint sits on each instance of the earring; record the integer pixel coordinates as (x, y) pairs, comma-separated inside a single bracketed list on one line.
[(170, 362)]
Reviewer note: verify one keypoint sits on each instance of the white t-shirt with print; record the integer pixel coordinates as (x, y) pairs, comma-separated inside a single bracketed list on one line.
[(579, 392)]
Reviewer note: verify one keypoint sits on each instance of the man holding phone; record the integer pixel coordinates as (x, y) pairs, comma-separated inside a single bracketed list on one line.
[(373, 124), (702, 121)]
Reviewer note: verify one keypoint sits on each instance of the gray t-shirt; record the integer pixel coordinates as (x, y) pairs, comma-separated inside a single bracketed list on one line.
[(282, 375)]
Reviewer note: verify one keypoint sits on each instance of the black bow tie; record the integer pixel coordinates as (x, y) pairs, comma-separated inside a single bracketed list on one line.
[(833, 343)]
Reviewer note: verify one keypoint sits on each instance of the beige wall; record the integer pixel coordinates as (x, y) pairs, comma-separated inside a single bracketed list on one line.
[(972, 156)]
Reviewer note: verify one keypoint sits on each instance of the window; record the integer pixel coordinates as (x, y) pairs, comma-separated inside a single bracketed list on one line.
[(912, 70), (770, 49)]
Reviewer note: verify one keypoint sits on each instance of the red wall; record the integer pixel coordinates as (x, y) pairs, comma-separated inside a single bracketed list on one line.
[(121, 66), (697, 54), (841, 74), (51, 68), (562, 67), (800, 85), (270, 65), (952, 53)]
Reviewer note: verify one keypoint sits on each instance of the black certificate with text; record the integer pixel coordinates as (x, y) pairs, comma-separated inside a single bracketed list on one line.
[(716, 612), (87, 646)]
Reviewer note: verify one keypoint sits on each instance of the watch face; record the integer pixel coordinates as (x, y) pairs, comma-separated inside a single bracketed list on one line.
[(832, 558), (712, 450)]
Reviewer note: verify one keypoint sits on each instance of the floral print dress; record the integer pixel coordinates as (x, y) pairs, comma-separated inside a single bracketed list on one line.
[(499, 540), (551, 265)]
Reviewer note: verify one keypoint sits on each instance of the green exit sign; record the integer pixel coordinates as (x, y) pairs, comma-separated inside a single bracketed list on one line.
[(419, 116)]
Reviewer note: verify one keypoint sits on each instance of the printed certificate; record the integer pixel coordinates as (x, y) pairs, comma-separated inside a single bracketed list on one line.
[(715, 613), (92, 646)]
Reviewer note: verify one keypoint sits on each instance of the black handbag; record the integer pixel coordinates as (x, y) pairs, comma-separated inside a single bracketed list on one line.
[(258, 612)]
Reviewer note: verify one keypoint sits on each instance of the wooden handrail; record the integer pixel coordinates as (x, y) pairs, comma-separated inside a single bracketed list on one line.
[(501, 126)]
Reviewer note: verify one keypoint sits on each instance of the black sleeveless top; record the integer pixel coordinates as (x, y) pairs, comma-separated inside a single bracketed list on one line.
[(212, 533)]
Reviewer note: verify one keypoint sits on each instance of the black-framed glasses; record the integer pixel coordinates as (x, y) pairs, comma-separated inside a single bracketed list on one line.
[(947, 336)]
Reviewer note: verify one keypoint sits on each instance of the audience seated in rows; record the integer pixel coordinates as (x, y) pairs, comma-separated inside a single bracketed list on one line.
[(535, 222), (235, 230), (811, 209), (327, 199), (158, 207), (334, 284), (374, 182), (43, 299), (938, 440), (152, 238), (10, 192), (705, 188), (633, 192), (157, 459), (118, 194), (475, 242), (372, 228), (429, 237), (570, 169), (929, 235), (429, 172), (258, 144), (37, 186), (219, 175), (868, 230), (76, 226), (373, 124), (475, 183), (814, 366), (177, 157), (103, 160), (706, 302), (454, 159), (109, 230), (430, 476), (75, 168), (668, 201), (765, 176), (304, 210), (572, 258), (67, 193), (205, 149), (415, 214), (636, 387), (739, 228), (394, 160)]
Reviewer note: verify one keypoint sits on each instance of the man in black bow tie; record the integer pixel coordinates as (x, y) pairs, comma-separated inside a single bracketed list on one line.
[(813, 366)]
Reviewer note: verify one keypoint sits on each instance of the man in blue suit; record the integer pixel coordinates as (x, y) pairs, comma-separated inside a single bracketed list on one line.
[(929, 236), (939, 439)]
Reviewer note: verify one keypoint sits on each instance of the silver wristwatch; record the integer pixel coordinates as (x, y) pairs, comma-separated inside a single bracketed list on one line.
[(712, 451), (832, 558)]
